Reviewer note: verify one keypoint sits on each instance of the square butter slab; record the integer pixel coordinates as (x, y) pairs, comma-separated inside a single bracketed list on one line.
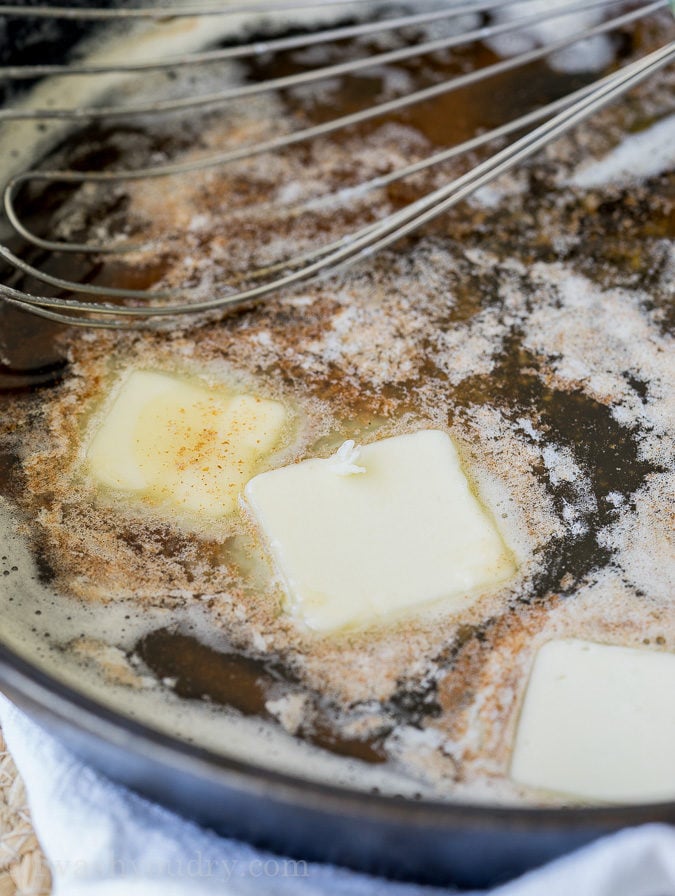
[(357, 548), (180, 443), (598, 722)]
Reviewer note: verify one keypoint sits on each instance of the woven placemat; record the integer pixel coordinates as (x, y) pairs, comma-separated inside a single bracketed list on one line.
[(23, 867)]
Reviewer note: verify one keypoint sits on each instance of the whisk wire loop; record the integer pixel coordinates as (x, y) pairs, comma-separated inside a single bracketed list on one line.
[(155, 307)]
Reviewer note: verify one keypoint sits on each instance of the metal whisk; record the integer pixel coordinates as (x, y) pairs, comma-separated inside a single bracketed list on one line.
[(149, 307)]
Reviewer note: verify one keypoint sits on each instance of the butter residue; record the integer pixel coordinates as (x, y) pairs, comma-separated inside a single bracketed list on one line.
[(343, 462)]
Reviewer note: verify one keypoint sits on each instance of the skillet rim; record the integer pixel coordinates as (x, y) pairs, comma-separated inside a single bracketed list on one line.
[(25, 683)]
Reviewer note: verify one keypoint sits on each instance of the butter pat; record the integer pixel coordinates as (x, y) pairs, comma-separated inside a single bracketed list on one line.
[(376, 531), (179, 443), (598, 723)]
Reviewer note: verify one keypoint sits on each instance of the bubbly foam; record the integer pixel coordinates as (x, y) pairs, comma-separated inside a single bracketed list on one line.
[(523, 327)]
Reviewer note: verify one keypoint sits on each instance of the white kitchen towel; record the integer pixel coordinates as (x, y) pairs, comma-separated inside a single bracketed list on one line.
[(102, 840)]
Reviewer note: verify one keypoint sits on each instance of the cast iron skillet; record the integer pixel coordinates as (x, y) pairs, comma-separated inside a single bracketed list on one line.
[(433, 842)]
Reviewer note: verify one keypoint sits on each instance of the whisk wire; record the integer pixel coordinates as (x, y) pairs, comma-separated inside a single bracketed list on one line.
[(287, 140), (558, 117), (271, 45), (332, 71)]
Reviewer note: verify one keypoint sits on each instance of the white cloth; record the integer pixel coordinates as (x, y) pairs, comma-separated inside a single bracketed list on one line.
[(102, 840)]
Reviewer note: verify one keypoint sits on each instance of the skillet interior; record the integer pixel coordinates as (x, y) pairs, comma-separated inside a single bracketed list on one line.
[(429, 822)]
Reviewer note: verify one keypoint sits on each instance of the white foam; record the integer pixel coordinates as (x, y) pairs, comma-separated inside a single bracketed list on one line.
[(646, 154), (592, 54), (364, 332)]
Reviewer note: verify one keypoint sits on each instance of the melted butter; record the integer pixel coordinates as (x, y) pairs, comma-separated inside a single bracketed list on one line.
[(252, 686), (439, 333), (181, 444)]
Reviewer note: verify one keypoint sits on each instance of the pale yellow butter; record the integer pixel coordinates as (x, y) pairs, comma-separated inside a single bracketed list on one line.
[(182, 444), (368, 534), (598, 723)]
